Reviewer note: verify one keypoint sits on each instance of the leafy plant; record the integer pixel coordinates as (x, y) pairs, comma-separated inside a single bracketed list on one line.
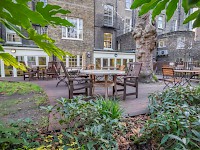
[(170, 6), (174, 120), (91, 124), (17, 16)]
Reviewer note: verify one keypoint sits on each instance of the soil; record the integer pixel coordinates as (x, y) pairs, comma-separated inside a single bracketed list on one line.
[(24, 107)]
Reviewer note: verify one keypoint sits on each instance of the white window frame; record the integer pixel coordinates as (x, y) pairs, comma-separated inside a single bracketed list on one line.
[(111, 15), (161, 45), (127, 27), (45, 2), (180, 43), (8, 31), (160, 22), (41, 30), (108, 48), (65, 29), (128, 4)]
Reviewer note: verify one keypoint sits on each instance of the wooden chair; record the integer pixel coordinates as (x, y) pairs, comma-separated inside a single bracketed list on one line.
[(90, 67), (169, 77), (50, 71), (130, 79), (76, 83), (60, 77), (30, 72)]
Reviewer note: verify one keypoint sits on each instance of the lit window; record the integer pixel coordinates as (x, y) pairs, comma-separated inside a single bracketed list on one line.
[(72, 61), (180, 43), (127, 25), (108, 15), (75, 32), (161, 44), (160, 22), (107, 41), (44, 1), (128, 4), (12, 37)]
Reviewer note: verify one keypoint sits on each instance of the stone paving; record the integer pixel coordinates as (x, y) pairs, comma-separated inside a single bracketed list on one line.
[(132, 106)]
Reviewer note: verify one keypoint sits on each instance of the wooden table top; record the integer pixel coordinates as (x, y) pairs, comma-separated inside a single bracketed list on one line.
[(103, 72), (187, 71)]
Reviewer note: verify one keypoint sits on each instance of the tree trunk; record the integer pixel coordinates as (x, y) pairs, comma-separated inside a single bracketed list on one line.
[(145, 36)]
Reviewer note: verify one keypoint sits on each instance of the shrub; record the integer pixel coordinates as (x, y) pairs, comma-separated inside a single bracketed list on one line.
[(90, 124), (174, 120)]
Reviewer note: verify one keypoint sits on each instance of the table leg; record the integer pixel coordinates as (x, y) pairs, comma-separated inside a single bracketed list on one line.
[(115, 85), (106, 86)]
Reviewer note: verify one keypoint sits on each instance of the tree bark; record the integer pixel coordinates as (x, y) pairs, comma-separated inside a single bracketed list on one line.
[(145, 36)]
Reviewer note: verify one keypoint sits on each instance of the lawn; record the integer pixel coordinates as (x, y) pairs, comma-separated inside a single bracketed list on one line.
[(22, 101)]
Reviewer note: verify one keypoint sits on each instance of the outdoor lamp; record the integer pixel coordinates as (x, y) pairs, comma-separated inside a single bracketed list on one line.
[(13, 50)]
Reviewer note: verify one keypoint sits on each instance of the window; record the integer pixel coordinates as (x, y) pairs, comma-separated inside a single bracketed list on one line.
[(160, 22), (161, 44), (128, 4), (107, 41), (174, 25), (180, 43), (12, 37), (31, 61), (72, 61), (42, 60), (127, 25), (108, 15), (40, 30), (75, 32), (44, 1)]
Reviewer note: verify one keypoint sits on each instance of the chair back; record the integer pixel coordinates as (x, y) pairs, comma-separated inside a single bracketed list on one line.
[(90, 67), (179, 67), (134, 68), (56, 70), (168, 71), (64, 69), (122, 67)]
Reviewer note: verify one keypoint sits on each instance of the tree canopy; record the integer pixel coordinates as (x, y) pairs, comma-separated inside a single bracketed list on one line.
[(170, 6), (17, 15)]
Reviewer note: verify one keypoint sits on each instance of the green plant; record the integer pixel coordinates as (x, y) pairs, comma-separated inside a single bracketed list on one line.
[(157, 6), (8, 138), (174, 120), (90, 124)]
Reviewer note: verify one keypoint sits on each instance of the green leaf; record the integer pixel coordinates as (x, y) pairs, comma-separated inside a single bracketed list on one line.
[(191, 17), (159, 7), (164, 139), (1, 49), (197, 22), (175, 137), (193, 2), (171, 8), (148, 6), (138, 3), (185, 6), (10, 60)]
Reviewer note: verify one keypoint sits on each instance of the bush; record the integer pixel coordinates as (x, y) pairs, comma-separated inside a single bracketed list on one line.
[(174, 120), (91, 124)]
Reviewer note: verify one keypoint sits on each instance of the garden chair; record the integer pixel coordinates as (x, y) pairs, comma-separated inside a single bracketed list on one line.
[(169, 77), (50, 71), (30, 72), (130, 79), (59, 76), (77, 83)]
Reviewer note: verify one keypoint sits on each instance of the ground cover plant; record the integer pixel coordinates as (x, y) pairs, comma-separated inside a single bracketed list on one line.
[(174, 119)]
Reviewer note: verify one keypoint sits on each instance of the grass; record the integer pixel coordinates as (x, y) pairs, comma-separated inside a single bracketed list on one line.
[(11, 88)]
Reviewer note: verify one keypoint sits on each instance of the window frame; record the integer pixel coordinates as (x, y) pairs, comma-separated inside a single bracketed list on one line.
[(65, 29), (160, 21), (111, 42), (108, 16), (127, 28), (8, 31), (129, 2), (159, 45), (183, 41)]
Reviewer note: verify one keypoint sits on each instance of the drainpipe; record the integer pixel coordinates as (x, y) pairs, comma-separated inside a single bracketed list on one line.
[(116, 7)]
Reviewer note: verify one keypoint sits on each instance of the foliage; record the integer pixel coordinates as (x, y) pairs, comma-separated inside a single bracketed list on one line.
[(17, 16), (8, 138), (91, 124), (174, 121), (170, 5), (10, 88)]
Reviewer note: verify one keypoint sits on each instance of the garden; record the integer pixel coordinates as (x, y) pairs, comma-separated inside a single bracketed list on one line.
[(173, 121)]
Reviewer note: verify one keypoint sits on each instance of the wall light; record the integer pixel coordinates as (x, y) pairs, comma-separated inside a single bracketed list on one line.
[(13, 50)]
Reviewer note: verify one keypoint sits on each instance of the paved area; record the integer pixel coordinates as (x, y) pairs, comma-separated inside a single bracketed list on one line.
[(132, 106)]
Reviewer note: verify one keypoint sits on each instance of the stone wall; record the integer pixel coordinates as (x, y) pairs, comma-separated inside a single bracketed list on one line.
[(126, 41), (189, 52), (82, 9)]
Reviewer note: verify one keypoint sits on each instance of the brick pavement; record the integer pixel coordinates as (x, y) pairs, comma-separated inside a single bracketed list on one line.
[(131, 105)]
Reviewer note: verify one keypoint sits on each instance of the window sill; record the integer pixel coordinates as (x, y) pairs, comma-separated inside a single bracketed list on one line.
[(13, 42), (160, 28), (128, 9), (71, 39), (108, 49)]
